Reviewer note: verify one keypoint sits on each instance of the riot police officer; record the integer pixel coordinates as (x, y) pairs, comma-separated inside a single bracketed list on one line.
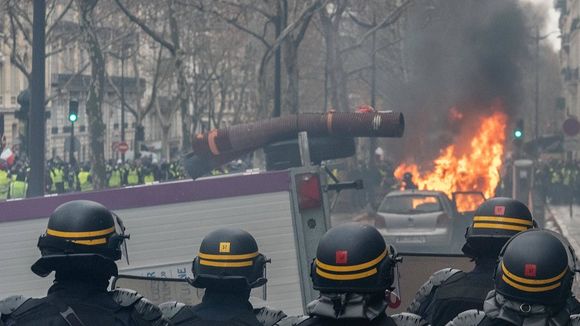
[(354, 272), (408, 183), (227, 266), (533, 282), (81, 244), (451, 291)]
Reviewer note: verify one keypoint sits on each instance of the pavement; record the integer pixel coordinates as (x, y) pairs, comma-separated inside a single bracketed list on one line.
[(567, 222)]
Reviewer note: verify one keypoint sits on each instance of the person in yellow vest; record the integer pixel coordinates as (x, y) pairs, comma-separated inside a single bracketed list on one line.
[(5, 179), (4, 184), (85, 179), (19, 186), (133, 175), (148, 173), (57, 178), (115, 177)]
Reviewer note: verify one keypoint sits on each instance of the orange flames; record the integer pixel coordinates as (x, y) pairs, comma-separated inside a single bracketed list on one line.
[(473, 166)]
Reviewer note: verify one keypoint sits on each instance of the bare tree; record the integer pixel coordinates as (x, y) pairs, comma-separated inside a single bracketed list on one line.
[(173, 44), (91, 42)]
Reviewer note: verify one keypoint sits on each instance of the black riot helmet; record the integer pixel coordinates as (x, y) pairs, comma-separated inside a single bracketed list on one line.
[(229, 259), (535, 267), (353, 257), (494, 222), (77, 231)]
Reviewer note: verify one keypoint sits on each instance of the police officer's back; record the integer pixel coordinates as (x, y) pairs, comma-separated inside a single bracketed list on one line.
[(533, 283), (353, 270), (81, 244), (228, 266), (451, 291)]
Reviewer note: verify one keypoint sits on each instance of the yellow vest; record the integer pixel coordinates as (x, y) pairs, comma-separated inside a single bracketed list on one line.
[(84, 182), (133, 177), (115, 179), (18, 189)]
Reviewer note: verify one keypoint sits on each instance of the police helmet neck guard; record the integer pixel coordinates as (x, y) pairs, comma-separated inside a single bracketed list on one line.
[(353, 258), (494, 222), (78, 231), (229, 260), (535, 267)]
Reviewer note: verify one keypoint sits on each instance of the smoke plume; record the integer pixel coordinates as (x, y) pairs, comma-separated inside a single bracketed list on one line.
[(463, 56)]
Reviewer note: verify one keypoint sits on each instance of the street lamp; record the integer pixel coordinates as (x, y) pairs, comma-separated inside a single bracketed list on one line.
[(126, 43)]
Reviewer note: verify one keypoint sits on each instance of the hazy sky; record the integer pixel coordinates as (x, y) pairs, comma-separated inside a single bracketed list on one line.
[(551, 21)]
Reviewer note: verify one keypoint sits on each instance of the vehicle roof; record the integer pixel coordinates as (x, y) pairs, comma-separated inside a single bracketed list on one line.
[(416, 192)]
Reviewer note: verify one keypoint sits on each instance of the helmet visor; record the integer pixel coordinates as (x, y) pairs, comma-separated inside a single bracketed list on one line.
[(119, 239)]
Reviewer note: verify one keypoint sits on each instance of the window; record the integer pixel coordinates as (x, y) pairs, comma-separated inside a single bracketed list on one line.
[(82, 128), (54, 130), (66, 129), (410, 204)]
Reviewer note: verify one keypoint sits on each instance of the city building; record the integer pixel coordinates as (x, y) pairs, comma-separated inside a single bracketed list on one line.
[(570, 57)]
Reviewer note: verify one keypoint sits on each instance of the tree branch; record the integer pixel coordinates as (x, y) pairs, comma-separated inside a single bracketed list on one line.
[(158, 38)]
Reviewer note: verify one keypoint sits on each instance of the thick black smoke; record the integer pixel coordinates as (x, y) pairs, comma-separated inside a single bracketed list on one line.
[(464, 54)]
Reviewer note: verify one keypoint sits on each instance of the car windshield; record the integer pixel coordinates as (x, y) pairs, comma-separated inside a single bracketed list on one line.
[(410, 204)]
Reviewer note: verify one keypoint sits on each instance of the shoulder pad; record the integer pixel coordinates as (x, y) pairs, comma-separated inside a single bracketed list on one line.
[(10, 304), (292, 321), (422, 295), (408, 319), (575, 320), (126, 297), (268, 316), (147, 310), (171, 308), (468, 318)]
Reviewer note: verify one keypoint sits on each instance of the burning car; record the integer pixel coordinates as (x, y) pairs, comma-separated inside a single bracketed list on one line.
[(417, 217), (426, 221)]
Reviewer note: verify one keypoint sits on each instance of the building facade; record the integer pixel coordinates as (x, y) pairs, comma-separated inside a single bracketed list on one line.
[(570, 53)]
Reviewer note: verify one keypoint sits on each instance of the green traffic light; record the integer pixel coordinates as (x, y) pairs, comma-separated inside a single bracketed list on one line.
[(518, 134), (72, 117)]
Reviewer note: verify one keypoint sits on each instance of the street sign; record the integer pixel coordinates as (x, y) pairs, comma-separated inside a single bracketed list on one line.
[(571, 127), (122, 147)]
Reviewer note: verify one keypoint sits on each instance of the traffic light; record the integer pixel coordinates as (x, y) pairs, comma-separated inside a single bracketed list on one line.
[(73, 111), (23, 100), (519, 130)]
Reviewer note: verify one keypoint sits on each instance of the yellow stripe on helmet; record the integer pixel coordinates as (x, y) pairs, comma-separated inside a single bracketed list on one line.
[(352, 268), (531, 281), (528, 288), (503, 219), (92, 242), (499, 226), (86, 234), (224, 264), (346, 277), (228, 257)]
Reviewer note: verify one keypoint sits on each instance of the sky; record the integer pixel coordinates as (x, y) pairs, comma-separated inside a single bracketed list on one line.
[(551, 21)]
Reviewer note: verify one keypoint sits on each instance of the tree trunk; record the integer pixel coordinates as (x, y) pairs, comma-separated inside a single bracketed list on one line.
[(334, 64), (165, 142), (292, 74), (95, 93), (182, 88)]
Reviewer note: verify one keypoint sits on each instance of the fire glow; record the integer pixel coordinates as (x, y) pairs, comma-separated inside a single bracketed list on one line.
[(472, 166)]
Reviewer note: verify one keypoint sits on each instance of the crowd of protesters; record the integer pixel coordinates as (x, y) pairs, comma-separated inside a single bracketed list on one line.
[(559, 180), (63, 177)]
